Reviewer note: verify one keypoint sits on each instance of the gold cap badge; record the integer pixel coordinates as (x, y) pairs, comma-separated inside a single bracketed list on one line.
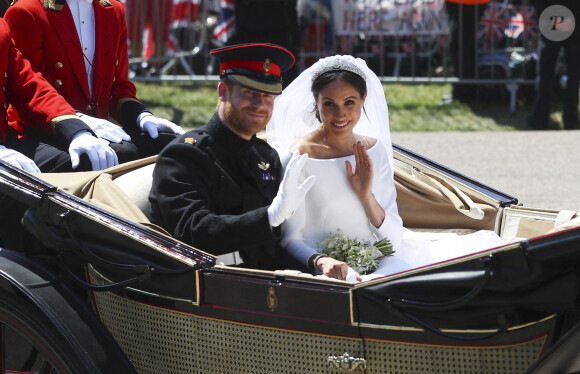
[(189, 140), (267, 65)]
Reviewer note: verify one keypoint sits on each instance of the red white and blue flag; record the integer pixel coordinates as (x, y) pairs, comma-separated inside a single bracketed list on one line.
[(185, 13), (226, 22), (493, 22), (523, 24)]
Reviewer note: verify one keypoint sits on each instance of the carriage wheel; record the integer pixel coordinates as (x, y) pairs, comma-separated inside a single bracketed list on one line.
[(30, 342)]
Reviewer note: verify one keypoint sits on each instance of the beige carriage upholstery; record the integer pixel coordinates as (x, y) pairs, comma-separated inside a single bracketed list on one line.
[(137, 184), (128, 198), (427, 201), (520, 223), (427, 204)]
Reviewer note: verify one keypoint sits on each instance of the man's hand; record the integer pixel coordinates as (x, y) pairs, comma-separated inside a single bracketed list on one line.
[(105, 129), (98, 150), (17, 159), (153, 125), (291, 193)]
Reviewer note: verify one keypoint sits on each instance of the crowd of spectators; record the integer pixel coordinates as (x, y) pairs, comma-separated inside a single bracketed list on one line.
[(155, 28)]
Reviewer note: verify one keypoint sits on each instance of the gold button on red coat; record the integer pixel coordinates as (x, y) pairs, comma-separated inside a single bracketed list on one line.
[(58, 83), (59, 65)]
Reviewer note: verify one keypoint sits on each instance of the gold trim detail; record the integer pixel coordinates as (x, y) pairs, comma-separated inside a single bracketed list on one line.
[(271, 299), (264, 165), (267, 65), (56, 120), (52, 5)]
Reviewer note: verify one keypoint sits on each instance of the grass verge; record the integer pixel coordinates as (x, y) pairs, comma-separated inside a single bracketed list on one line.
[(411, 107)]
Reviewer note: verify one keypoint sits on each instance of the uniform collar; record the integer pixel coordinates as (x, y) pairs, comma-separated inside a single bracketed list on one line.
[(226, 137)]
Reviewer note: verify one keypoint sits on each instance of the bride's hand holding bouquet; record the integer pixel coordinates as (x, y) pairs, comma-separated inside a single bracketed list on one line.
[(335, 269)]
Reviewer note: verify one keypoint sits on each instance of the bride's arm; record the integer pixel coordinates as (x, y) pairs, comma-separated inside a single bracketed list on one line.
[(380, 202), (386, 194), (361, 182)]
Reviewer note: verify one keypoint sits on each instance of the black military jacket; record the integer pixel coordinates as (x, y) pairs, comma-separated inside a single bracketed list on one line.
[(211, 189)]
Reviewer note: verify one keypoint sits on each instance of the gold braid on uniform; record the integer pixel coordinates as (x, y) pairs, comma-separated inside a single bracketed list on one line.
[(55, 5)]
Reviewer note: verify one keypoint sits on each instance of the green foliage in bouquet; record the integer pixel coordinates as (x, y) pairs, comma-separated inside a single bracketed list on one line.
[(361, 257)]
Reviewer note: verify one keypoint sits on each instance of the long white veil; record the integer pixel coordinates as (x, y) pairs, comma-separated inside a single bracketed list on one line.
[(294, 116)]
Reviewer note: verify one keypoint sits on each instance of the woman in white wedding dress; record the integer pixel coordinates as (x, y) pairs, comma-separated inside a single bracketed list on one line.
[(336, 112)]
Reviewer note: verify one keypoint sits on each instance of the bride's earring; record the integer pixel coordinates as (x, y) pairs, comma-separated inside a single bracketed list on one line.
[(317, 113)]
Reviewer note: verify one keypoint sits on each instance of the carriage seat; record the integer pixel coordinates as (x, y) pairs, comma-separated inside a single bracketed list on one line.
[(137, 184)]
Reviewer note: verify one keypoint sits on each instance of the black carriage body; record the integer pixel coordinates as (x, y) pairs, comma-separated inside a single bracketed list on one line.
[(170, 308)]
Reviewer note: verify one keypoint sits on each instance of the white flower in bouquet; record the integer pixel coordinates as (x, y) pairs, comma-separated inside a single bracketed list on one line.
[(362, 258)]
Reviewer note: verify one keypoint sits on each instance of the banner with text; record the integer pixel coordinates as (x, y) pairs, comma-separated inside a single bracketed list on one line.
[(390, 17)]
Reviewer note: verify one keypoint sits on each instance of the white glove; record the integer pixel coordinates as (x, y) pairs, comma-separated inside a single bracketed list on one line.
[(152, 125), (17, 159), (291, 193), (98, 150), (105, 129)]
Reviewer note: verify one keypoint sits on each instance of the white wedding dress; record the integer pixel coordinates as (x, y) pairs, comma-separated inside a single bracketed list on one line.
[(331, 204)]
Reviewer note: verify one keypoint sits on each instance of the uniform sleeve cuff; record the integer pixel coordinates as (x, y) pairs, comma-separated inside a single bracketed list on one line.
[(130, 109), (65, 127)]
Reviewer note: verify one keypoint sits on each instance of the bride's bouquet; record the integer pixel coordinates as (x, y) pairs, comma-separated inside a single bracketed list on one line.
[(361, 257)]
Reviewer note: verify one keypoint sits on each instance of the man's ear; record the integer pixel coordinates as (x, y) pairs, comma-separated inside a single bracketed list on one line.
[(222, 91)]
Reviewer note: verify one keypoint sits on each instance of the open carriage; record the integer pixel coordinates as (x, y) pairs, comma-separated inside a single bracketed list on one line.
[(156, 305)]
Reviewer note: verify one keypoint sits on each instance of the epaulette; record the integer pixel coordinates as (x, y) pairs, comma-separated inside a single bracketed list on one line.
[(55, 5)]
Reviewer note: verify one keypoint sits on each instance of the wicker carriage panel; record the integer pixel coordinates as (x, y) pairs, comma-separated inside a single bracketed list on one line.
[(160, 340)]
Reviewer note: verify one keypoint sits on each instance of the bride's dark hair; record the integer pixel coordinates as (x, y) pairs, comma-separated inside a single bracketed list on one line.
[(325, 79)]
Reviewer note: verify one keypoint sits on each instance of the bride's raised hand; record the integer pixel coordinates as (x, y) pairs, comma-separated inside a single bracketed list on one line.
[(362, 179)]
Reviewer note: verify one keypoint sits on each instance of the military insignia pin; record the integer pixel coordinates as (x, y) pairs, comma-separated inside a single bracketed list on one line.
[(189, 140), (267, 65), (263, 165)]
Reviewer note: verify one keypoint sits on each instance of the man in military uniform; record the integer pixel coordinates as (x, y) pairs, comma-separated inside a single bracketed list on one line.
[(80, 47), (219, 187)]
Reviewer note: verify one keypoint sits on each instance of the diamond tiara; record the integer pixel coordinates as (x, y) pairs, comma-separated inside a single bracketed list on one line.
[(336, 63)]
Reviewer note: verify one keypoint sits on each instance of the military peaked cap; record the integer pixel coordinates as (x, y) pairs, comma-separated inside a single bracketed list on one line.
[(257, 66)]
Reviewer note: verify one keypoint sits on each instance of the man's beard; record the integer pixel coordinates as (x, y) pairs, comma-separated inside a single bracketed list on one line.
[(241, 123)]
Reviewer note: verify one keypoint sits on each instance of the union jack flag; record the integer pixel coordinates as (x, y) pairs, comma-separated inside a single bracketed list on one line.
[(493, 22), (225, 25), (523, 25)]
